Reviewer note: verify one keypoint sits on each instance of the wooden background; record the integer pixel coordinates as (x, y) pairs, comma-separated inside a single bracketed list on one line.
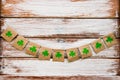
[(60, 24)]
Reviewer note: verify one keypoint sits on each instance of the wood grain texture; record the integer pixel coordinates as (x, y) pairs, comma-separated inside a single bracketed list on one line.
[(9, 51), (57, 8), (35, 67), (61, 28), (51, 24), (11, 77)]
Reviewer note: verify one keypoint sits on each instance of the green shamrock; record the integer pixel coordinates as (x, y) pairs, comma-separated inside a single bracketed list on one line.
[(72, 53), (58, 55), (109, 39), (20, 42), (9, 34), (33, 49), (85, 51), (45, 53), (98, 45)]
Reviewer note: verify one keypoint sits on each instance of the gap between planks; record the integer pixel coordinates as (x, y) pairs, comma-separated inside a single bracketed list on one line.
[(12, 77), (64, 17)]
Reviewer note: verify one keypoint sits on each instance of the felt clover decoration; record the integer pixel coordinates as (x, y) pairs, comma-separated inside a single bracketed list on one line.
[(98, 45), (33, 49), (109, 39), (85, 51), (20, 42), (58, 55), (45, 53), (72, 54), (9, 34)]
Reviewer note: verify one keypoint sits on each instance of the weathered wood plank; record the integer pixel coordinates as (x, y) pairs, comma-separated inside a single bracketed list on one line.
[(35, 67), (9, 51), (64, 28), (0, 50), (57, 8), (11, 77)]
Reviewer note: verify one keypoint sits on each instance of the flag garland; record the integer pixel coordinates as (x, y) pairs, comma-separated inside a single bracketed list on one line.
[(44, 53)]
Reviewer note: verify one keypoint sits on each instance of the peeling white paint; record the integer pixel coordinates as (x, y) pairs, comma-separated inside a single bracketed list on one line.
[(45, 27), (65, 8), (49, 68)]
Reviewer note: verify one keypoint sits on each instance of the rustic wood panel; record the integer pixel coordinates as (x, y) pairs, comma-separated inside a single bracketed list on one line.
[(58, 8), (9, 51), (11, 77), (61, 28), (54, 30), (35, 67)]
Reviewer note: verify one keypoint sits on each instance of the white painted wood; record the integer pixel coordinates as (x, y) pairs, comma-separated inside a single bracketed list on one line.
[(34, 67), (48, 27), (58, 8)]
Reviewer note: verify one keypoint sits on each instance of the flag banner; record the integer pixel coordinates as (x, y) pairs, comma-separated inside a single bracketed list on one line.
[(9, 34), (110, 40), (32, 49), (20, 42), (58, 55), (72, 54), (98, 45), (44, 53), (85, 51)]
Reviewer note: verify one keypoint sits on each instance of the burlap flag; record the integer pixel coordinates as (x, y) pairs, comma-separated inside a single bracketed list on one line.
[(110, 40), (32, 48), (20, 42), (72, 54), (58, 55), (44, 53), (85, 51), (98, 45), (9, 34)]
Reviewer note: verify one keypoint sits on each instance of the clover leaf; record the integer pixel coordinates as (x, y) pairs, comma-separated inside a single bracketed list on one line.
[(9, 34), (109, 39), (33, 49), (98, 45), (85, 51), (20, 42), (58, 55), (72, 53), (45, 53)]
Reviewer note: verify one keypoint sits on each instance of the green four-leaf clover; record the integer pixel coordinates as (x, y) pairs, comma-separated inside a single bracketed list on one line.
[(85, 51), (33, 49), (109, 39), (9, 34), (58, 55), (72, 53), (98, 45), (45, 53), (20, 42)]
